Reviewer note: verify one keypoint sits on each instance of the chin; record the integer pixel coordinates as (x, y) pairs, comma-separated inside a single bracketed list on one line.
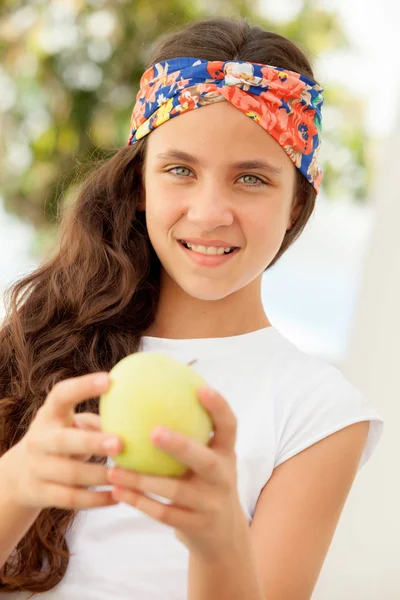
[(208, 291)]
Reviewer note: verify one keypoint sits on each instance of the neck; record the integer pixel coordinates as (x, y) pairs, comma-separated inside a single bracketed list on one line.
[(181, 316)]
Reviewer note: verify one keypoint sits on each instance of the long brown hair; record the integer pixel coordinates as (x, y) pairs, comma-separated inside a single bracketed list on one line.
[(87, 305)]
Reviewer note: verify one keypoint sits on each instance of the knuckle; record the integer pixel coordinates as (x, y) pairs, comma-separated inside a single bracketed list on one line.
[(137, 481), (98, 499), (213, 464), (70, 497), (57, 438), (93, 443), (61, 389), (101, 471), (89, 441), (31, 442), (163, 514), (57, 391), (71, 473), (178, 493)]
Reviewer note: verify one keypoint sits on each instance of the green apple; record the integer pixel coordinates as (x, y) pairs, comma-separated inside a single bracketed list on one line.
[(149, 389)]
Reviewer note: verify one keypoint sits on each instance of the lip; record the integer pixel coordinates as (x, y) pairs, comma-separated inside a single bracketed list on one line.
[(202, 242), (208, 260)]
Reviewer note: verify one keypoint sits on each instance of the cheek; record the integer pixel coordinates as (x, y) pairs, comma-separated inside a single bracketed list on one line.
[(163, 209), (266, 227)]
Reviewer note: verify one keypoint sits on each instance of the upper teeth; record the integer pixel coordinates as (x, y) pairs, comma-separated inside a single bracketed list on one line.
[(207, 249)]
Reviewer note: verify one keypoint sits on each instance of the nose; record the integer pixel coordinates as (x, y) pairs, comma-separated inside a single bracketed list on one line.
[(210, 208)]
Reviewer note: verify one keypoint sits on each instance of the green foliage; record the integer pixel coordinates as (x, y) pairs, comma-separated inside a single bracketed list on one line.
[(69, 78)]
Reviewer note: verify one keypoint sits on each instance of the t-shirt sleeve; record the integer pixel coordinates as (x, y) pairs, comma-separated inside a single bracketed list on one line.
[(316, 412)]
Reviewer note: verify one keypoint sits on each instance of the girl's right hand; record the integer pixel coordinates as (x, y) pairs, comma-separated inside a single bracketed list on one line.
[(48, 467)]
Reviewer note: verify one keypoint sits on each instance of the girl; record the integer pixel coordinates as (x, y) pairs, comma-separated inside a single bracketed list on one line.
[(164, 250)]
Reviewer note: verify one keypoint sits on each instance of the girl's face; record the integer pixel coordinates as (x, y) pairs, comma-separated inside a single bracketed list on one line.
[(197, 189)]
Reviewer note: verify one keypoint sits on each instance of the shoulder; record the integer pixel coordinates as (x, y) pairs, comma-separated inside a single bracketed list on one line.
[(296, 374), (313, 399)]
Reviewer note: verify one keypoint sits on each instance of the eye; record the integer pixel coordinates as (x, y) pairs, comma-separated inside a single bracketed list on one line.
[(257, 182), (179, 169)]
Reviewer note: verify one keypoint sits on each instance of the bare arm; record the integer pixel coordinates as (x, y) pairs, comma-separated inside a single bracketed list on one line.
[(15, 520), (298, 512), (293, 526)]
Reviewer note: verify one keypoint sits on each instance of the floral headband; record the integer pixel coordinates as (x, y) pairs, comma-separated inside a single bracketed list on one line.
[(286, 104)]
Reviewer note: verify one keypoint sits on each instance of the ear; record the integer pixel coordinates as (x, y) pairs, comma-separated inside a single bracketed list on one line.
[(294, 216)]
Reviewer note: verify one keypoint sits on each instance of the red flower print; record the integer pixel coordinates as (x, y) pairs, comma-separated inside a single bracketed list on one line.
[(215, 68)]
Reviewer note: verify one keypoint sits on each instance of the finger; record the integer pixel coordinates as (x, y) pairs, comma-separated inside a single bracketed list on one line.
[(174, 516), (88, 421), (71, 472), (67, 394), (62, 496), (179, 492), (67, 440), (201, 459), (224, 419)]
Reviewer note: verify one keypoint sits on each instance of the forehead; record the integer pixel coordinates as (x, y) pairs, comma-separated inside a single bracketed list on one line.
[(219, 132)]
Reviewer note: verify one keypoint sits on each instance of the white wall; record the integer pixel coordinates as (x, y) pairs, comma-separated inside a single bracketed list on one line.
[(364, 559)]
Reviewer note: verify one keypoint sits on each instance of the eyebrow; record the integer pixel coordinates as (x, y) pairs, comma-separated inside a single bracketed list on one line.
[(244, 164)]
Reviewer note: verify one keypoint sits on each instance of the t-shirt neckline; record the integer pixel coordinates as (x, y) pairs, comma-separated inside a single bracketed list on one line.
[(210, 347)]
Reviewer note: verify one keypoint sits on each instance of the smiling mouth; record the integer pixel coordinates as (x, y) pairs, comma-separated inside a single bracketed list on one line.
[(185, 245)]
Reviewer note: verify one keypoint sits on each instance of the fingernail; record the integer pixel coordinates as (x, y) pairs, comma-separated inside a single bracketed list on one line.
[(111, 444), (207, 392), (101, 380), (160, 434)]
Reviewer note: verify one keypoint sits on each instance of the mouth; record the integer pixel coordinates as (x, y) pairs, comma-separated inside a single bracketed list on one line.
[(201, 257), (208, 251)]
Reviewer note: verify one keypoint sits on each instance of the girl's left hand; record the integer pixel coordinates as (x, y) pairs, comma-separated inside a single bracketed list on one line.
[(205, 510)]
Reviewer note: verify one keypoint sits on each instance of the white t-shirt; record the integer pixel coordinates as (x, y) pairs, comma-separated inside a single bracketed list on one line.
[(284, 401)]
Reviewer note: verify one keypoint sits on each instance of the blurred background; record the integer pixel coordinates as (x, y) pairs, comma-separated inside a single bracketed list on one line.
[(69, 73)]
